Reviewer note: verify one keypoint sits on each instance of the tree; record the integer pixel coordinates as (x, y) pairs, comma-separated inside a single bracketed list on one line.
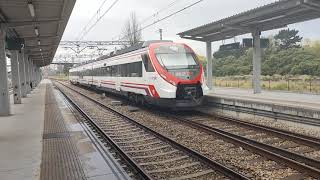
[(132, 32), (288, 39)]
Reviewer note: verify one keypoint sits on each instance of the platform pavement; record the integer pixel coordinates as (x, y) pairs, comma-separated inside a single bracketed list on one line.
[(309, 101), (21, 136), (29, 149)]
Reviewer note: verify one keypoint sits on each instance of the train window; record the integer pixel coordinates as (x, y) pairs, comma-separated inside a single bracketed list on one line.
[(108, 71), (118, 74), (96, 72), (124, 70), (99, 72), (147, 63), (115, 71), (135, 69)]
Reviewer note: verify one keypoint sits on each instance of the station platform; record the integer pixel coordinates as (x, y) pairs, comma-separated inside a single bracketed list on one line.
[(310, 101), (276, 102), (42, 139)]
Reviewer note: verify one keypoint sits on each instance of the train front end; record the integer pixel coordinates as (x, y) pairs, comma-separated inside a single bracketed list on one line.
[(178, 65)]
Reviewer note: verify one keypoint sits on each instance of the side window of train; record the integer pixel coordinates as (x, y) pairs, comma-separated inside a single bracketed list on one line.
[(124, 70), (135, 69), (147, 63), (118, 71), (108, 71), (115, 71), (112, 71)]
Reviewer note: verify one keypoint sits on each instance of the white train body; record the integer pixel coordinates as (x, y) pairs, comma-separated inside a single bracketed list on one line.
[(140, 75)]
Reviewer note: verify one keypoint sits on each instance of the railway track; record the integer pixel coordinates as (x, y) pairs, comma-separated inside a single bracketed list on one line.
[(293, 150), (268, 114), (150, 154), (295, 162)]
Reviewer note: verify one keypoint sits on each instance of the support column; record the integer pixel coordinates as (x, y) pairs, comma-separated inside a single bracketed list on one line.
[(27, 69), (209, 65), (256, 62), (15, 77), (31, 73), (35, 76), (4, 92), (38, 75), (22, 74)]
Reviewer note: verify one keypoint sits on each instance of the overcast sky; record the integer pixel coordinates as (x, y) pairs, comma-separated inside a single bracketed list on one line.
[(205, 12)]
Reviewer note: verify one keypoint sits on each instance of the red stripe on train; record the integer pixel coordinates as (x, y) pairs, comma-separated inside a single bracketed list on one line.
[(149, 87), (135, 83), (108, 83), (135, 87)]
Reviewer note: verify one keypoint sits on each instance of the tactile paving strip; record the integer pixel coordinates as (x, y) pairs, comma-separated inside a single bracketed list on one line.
[(59, 154)]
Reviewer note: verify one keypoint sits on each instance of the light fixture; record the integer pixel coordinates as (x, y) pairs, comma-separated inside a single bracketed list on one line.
[(272, 18), (36, 31), (39, 42), (187, 36), (31, 9), (40, 49), (214, 33)]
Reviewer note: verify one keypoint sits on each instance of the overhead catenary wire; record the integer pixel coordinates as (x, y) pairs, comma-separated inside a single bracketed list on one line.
[(96, 14), (159, 11), (85, 30), (164, 18)]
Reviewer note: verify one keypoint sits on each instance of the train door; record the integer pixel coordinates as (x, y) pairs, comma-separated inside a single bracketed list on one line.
[(149, 75)]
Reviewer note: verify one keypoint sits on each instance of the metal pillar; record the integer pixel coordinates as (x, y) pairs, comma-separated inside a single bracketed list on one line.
[(31, 73), (22, 74), (16, 85), (35, 76), (38, 75), (209, 65), (27, 69), (4, 92), (256, 62)]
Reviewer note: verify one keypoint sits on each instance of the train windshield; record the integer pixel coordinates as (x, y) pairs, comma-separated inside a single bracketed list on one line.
[(178, 60)]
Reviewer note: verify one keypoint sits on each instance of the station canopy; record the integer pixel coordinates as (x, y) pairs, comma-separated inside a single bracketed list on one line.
[(38, 24), (272, 16)]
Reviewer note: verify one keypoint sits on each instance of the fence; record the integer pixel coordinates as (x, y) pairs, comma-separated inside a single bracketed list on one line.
[(282, 84)]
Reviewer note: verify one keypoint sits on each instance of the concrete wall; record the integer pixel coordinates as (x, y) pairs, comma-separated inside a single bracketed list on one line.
[(240, 108)]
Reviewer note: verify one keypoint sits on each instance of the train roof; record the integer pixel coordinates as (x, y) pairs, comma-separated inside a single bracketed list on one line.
[(134, 47)]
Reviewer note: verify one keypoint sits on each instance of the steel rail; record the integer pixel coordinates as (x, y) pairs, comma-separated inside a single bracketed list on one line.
[(97, 141), (139, 171), (213, 164), (293, 160), (300, 138), (269, 114)]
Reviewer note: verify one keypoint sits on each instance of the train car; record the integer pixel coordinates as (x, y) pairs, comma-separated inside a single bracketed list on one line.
[(161, 73)]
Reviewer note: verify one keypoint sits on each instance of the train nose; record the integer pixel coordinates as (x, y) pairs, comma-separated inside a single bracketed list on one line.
[(189, 91)]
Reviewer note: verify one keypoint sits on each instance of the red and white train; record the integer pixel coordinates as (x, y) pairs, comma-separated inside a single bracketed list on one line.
[(162, 73)]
